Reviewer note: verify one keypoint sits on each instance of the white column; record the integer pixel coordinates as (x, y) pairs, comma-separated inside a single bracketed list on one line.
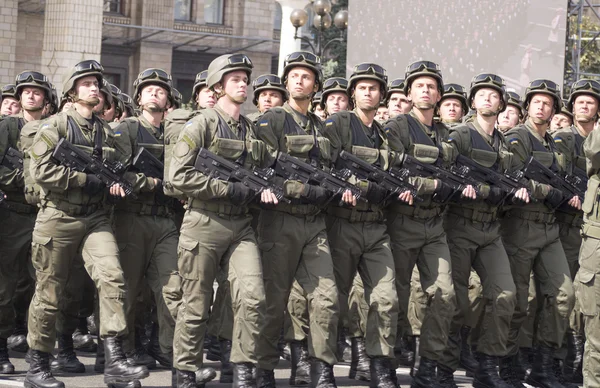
[(287, 42)]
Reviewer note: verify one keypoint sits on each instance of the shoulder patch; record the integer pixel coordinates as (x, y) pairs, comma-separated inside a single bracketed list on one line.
[(558, 139), (181, 149), (514, 140), (263, 123), (328, 123)]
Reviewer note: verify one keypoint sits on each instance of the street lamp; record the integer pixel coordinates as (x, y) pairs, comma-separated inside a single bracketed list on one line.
[(321, 22)]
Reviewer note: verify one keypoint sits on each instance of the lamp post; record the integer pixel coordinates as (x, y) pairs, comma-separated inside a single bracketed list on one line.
[(321, 22)]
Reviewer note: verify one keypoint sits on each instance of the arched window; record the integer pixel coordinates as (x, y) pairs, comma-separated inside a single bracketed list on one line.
[(278, 16)]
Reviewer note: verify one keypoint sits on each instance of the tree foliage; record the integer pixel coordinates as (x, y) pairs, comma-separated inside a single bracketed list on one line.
[(589, 62)]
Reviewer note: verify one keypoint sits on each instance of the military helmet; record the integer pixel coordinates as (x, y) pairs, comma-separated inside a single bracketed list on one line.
[(303, 59), (32, 79), (9, 90), (152, 76), (128, 104), (177, 98), (227, 64), (333, 85), (368, 71), (456, 91), (585, 86), (565, 110), (487, 80), (108, 96), (268, 82), (515, 100), (543, 86), (53, 100), (82, 69), (199, 83), (115, 92), (395, 86), (316, 100), (423, 69)]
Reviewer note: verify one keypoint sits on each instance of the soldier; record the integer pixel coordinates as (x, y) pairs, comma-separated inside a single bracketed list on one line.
[(453, 105), (416, 231), (315, 107), (583, 103), (561, 120), (33, 92), (512, 115), (176, 100), (292, 237), (268, 92), (10, 101), (382, 113), (531, 239), (106, 102), (128, 107), (358, 238), (474, 238), (71, 222), (202, 96), (334, 97), (396, 100), (216, 231)]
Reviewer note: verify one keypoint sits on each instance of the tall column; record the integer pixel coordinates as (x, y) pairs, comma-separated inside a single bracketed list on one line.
[(72, 33), (287, 42), (9, 10)]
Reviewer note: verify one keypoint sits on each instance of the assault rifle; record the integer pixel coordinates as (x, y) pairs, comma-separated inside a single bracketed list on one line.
[(394, 183), (13, 159), (77, 159), (536, 171), (335, 182), (148, 164), (256, 180)]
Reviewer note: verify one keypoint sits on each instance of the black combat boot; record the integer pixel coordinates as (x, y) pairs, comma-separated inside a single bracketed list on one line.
[(66, 360), (344, 351), (542, 373), (509, 367), (5, 366), (204, 375), (300, 365), (82, 340), (467, 359), (154, 351), (445, 377), (321, 374), (381, 373), (284, 348), (265, 378), (39, 375), (572, 368), (139, 355), (417, 356), (226, 366), (425, 376), (116, 367), (243, 375), (557, 367), (523, 365), (404, 355), (213, 352), (359, 366), (487, 375), (131, 384), (17, 342), (99, 364), (186, 379)]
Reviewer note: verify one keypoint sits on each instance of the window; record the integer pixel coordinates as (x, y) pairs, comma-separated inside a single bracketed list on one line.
[(278, 17), (213, 11), (112, 6), (114, 79), (183, 10)]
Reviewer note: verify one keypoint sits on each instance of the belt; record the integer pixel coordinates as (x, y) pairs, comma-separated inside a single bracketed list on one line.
[(21, 208), (569, 219), (535, 216), (591, 229), (354, 215), (145, 209), (297, 209), (218, 207), (474, 214), (75, 210), (422, 213)]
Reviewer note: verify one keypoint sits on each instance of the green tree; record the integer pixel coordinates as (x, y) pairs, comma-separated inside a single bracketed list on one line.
[(334, 61), (589, 62)]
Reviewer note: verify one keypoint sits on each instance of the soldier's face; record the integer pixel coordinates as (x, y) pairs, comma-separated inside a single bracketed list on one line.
[(235, 85), (109, 114), (268, 99), (382, 114), (398, 104), (487, 101), (541, 108), (509, 118), (560, 121), (424, 93), (585, 108), (32, 98), (301, 83), (10, 106), (206, 98), (154, 98), (451, 109), (87, 90), (367, 94), (336, 102)]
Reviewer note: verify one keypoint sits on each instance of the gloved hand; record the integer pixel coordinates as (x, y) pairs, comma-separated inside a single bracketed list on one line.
[(442, 192), (93, 185), (316, 194), (375, 193), (554, 198), (495, 196), (239, 194)]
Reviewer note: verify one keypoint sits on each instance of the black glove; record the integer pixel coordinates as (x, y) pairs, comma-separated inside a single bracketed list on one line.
[(239, 194), (554, 198), (495, 196), (443, 192), (93, 185), (375, 193), (316, 194)]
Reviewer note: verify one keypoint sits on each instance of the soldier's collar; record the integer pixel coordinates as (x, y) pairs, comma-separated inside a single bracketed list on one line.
[(82, 121), (535, 133), (228, 119)]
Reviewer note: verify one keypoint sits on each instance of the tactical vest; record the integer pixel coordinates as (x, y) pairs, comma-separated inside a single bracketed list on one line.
[(579, 161), (423, 148), (541, 153), (481, 151)]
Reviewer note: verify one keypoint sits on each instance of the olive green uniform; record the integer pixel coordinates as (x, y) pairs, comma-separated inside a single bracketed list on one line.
[(531, 239), (293, 242), (72, 223), (215, 234), (473, 230), (418, 237), (358, 237)]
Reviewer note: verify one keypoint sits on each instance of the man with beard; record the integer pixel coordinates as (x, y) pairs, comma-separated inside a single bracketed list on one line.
[(334, 96), (358, 237), (453, 105), (416, 231), (73, 223), (268, 92), (293, 238), (216, 233), (396, 100), (561, 120), (531, 238), (16, 286), (512, 115), (583, 103), (10, 102)]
